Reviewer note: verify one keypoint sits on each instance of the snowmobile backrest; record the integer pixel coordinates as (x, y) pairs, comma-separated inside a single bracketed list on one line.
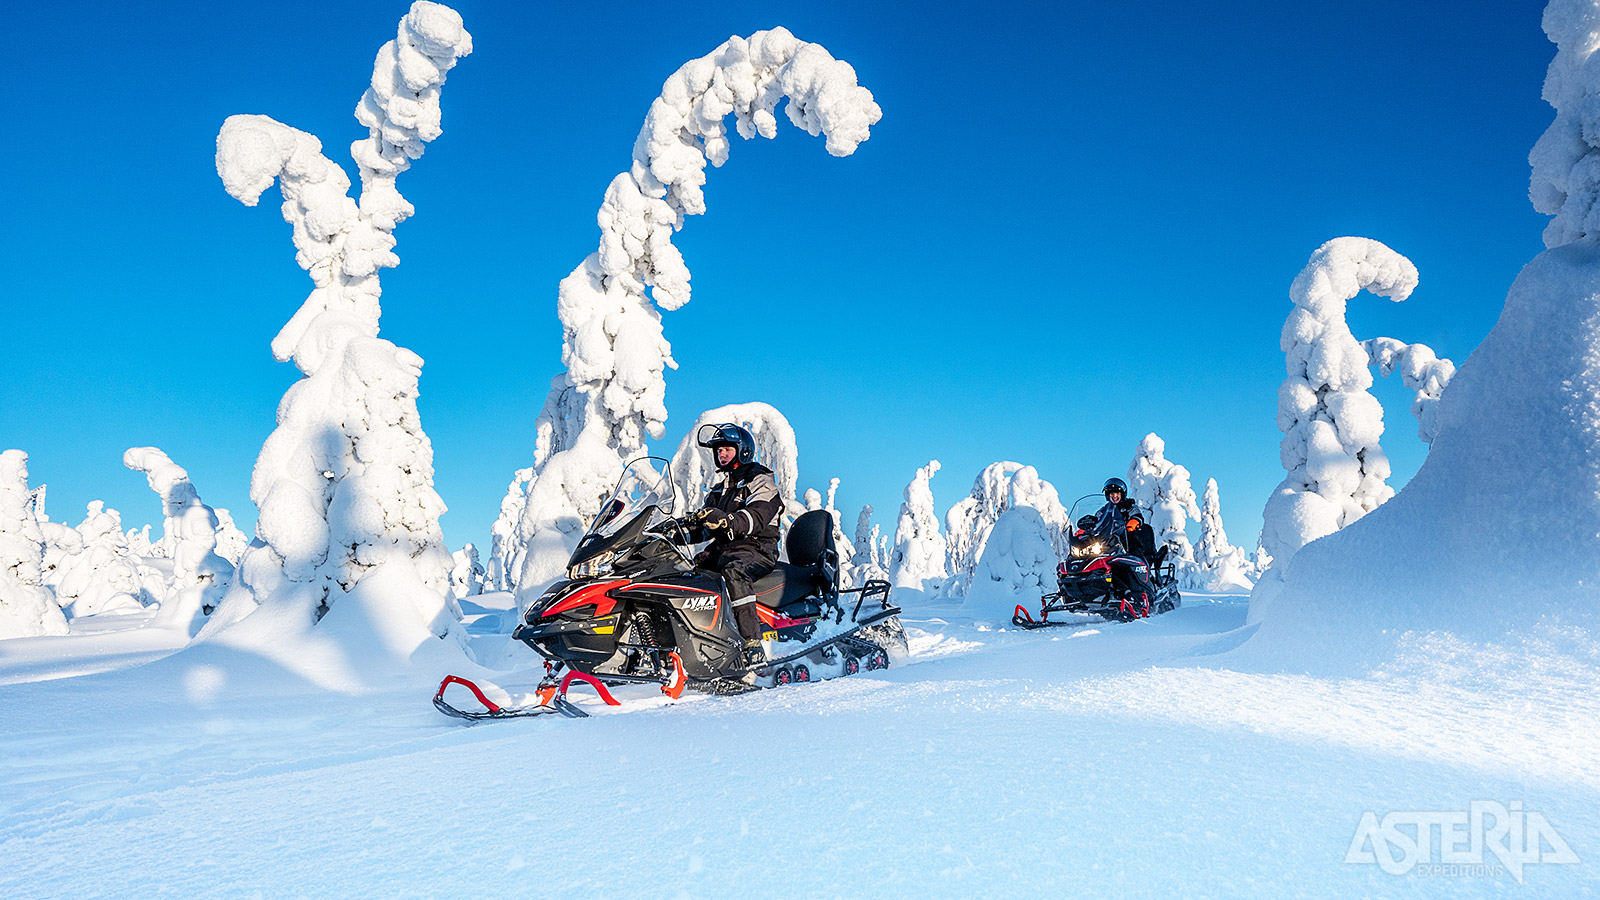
[(810, 538)]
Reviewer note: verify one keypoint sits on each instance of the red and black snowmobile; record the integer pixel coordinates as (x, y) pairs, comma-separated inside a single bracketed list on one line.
[(635, 609), (1086, 582)]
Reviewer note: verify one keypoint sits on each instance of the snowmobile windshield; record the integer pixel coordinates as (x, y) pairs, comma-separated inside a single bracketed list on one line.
[(642, 493), (1108, 522)]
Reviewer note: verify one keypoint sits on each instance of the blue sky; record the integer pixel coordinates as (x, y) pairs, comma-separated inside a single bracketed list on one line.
[(1076, 223)]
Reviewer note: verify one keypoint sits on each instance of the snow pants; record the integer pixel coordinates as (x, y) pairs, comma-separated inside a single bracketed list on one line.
[(741, 565)]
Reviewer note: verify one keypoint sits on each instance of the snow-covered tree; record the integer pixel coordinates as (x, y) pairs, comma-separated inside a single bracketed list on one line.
[(1220, 565), (98, 572), (1163, 487), (27, 608), (870, 561), (200, 576), (1331, 423), (466, 576), (694, 471), (231, 542), (505, 549), (1000, 487), (1018, 565), (344, 485), (611, 399), (1420, 370), (919, 549)]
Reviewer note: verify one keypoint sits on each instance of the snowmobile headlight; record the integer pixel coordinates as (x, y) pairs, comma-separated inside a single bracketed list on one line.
[(590, 568), (1091, 550)]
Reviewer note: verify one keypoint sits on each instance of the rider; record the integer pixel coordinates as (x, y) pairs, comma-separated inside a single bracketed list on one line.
[(741, 515), (1131, 580)]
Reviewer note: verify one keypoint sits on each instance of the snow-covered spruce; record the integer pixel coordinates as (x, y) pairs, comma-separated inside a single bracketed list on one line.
[(869, 561), (200, 577), (467, 574), (917, 564), (1000, 487), (1219, 566), (611, 399), (93, 570), (27, 608), (842, 544), (693, 471), (1018, 565), (1420, 370), (344, 485), (1163, 487), (505, 549), (1335, 471)]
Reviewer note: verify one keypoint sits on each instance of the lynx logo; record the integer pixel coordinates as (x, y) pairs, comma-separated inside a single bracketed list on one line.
[(701, 603), (1403, 841)]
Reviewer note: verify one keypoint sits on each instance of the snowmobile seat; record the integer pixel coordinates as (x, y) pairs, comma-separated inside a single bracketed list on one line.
[(794, 588)]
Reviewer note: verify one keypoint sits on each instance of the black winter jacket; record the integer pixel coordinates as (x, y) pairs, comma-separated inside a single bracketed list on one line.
[(749, 495)]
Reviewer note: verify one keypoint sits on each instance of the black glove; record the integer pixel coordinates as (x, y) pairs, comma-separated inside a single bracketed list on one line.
[(714, 518)]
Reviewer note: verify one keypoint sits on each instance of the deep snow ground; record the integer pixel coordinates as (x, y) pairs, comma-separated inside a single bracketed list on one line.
[(1145, 759)]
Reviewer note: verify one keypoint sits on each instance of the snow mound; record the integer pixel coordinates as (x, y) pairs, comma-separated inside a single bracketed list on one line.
[(968, 524)]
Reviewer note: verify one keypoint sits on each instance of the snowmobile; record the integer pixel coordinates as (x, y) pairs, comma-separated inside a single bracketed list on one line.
[(1085, 582), (635, 609)]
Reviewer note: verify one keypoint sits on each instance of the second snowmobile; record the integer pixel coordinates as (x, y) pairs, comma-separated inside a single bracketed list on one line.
[(1086, 582), (634, 608)]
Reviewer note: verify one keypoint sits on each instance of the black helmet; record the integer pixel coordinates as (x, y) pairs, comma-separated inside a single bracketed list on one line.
[(728, 435), (1115, 484)]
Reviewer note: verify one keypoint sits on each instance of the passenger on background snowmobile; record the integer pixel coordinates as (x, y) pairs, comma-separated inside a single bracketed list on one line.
[(1120, 512), (741, 520)]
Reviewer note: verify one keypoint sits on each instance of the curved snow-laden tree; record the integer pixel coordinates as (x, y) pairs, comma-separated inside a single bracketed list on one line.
[(27, 608), (611, 398), (344, 485), (1163, 487), (1000, 487), (1420, 370), (1331, 423), (693, 471), (200, 577), (917, 563)]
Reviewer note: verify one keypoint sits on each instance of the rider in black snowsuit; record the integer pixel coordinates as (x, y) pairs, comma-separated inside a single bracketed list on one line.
[(741, 519), (1121, 513)]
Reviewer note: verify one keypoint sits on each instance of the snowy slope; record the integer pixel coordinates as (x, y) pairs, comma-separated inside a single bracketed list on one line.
[(1107, 760)]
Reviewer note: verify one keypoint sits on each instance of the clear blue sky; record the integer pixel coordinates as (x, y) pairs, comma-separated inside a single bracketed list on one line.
[(1076, 223)]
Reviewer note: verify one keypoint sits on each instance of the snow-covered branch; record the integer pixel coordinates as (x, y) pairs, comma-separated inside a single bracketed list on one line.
[(1420, 370)]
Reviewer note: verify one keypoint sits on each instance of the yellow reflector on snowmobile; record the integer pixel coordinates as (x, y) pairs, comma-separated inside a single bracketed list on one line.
[(605, 629)]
